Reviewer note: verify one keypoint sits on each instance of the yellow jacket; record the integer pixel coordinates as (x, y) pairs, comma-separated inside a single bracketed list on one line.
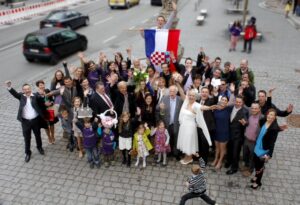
[(145, 140)]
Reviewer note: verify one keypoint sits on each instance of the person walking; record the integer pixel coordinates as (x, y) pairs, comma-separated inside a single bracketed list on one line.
[(30, 115)]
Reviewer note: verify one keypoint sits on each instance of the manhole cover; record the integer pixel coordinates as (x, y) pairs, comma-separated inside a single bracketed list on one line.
[(294, 120)]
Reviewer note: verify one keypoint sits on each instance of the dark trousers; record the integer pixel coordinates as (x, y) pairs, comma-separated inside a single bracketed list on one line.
[(234, 147), (249, 43), (191, 195), (27, 127), (248, 152), (259, 165), (203, 145), (126, 156), (173, 140)]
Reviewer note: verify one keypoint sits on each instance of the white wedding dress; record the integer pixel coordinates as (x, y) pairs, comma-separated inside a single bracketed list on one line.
[(188, 136)]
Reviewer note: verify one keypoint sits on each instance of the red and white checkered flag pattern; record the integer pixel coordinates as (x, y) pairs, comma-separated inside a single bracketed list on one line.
[(157, 58)]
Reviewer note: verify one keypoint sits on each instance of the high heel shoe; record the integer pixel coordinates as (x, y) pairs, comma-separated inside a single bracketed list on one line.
[(255, 187)]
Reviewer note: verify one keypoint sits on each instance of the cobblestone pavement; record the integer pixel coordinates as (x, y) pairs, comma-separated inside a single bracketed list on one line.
[(60, 178)]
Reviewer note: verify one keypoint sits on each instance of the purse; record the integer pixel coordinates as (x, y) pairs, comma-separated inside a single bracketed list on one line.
[(84, 112)]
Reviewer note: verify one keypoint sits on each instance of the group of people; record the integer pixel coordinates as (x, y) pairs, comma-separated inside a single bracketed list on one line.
[(176, 113), (186, 113), (249, 34)]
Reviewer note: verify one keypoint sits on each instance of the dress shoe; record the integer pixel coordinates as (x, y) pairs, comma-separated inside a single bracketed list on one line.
[(27, 157), (41, 151), (231, 171)]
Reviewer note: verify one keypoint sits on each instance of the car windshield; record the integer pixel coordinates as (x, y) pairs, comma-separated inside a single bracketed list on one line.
[(36, 40), (56, 16)]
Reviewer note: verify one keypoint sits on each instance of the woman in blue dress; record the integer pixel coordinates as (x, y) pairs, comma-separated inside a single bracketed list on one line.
[(222, 119)]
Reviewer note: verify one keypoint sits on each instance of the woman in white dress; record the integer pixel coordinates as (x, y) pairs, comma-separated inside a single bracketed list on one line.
[(190, 117)]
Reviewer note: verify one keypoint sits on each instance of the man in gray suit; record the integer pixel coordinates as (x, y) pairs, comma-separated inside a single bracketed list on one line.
[(168, 111)]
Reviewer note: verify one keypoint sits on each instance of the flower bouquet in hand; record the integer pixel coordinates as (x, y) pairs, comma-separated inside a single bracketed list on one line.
[(139, 76)]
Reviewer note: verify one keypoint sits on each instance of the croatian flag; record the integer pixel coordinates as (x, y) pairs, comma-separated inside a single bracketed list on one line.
[(159, 42)]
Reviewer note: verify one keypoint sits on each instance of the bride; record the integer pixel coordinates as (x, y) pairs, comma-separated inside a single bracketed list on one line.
[(190, 117)]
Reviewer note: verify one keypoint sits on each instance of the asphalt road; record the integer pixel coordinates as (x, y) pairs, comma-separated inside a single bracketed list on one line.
[(106, 26)]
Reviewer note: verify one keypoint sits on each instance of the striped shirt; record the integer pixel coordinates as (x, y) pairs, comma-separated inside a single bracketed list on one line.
[(197, 183)]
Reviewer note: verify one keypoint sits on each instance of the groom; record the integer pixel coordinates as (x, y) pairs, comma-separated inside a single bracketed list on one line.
[(168, 111)]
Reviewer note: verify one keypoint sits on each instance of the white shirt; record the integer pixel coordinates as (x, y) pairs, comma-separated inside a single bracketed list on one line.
[(29, 112), (233, 113)]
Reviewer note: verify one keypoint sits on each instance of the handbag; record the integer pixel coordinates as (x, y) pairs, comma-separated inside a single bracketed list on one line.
[(133, 153), (84, 112), (50, 115)]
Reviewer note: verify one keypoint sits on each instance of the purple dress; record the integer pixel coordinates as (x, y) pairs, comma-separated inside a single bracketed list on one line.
[(160, 141), (107, 144)]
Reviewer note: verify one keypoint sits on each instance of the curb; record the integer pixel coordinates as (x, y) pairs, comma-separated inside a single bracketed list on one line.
[(291, 19)]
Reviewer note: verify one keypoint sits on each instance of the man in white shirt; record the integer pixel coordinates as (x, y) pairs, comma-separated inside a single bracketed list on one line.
[(30, 115)]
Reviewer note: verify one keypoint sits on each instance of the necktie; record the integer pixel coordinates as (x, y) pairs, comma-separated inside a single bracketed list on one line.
[(108, 101)]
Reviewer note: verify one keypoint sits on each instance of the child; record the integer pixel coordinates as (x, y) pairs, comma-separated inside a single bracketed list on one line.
[(161, 141), (108, 144), (142, 144), (66, 124), (76, 130), (90, 140), (125, 137), (288, 8), (197, 184)]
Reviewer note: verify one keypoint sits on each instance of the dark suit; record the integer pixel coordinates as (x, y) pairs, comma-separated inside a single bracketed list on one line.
[(235, 142), (211, 126), (119, 103), (97, 104), (165, 116), (32, 124)]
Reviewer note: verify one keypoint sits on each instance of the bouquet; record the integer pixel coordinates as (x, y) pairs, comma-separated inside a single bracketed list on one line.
[(139, 76)]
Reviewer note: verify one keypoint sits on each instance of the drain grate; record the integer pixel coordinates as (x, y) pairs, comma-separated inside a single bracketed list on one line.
[(294, 120)]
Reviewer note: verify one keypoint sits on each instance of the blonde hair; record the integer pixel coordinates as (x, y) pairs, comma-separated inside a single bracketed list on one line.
[(121, 122)]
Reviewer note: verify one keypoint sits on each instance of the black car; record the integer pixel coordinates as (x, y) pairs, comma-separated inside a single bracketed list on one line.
[(50, 44), (156, 2), (65, 19)]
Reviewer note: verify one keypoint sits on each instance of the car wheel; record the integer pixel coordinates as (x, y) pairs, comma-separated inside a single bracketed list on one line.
[(30, 59), (54, 59), (83, 46), (86, 22), (112, 7)]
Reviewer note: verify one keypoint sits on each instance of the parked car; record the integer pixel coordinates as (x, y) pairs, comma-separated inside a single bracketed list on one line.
[(66, 19), (156, 2), (51, 44), (122, 3)]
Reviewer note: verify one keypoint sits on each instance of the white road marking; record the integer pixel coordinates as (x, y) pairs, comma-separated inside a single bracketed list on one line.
[(109, 39), (11, 45), (132, 27), (102, 21), (145, 21)]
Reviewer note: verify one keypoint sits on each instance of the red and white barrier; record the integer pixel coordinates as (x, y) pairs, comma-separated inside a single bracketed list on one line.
[(10, 16)]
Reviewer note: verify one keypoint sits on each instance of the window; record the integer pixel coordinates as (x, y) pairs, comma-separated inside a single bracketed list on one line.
[(55, 39), (56, 16), (36, 40), (68, 35)]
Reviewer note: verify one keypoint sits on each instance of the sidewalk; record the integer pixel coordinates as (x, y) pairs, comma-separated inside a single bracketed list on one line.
[(26, 3), (278, 7)]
